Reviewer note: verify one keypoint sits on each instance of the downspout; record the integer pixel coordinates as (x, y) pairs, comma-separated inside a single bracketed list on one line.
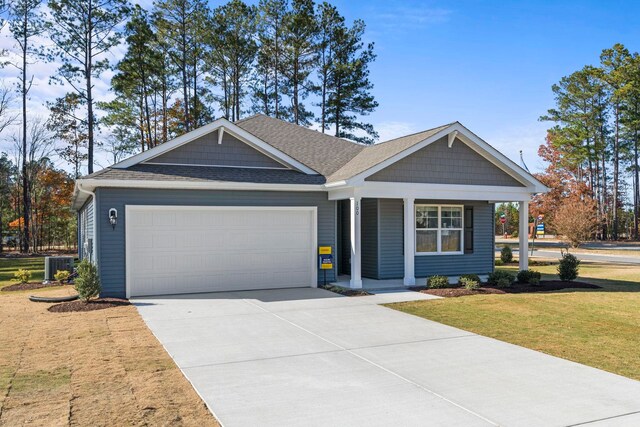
[(94, 250)]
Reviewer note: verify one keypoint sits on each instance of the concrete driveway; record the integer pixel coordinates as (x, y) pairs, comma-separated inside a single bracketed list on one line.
[(307, 357)]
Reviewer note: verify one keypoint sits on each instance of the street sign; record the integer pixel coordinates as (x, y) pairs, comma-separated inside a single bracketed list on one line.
[(540, 228), (540, 218), (503, 220)]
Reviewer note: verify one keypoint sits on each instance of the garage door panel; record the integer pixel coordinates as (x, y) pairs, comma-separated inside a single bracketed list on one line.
[(184, 250)]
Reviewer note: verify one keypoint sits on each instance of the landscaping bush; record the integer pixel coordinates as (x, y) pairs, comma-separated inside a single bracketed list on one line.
[(22, 275), (62, 275), (499, 262), (438, 282), (501, 279), (506, 255), (469, 283), (531, 277), (87, 283), (568, 268), (474, 277)]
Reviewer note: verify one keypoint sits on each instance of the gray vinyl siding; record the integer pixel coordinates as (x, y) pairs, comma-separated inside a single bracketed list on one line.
[(206, 151), (369, 238), (391, 243), (439, 164), (85, 229), (391, 217), (112, 242)]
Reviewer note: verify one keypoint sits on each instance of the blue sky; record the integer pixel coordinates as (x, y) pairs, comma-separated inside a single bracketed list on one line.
[(487, 64)]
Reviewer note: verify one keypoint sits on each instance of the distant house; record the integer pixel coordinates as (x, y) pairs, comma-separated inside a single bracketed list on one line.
[(245, 205)]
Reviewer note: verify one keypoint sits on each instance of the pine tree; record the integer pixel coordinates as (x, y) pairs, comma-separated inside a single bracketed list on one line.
[(329, 21), (82, 53), (349, 86), (614, 61), (25, 22), (235, 52), (300, 56), (268, 82), (180, 26), (67, 125)]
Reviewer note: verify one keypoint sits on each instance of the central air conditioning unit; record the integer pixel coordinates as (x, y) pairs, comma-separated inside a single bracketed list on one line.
[(53, 264)]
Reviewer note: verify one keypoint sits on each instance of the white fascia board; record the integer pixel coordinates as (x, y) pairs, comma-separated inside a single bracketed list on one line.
[(230, 128), (475, 143), (395, 190), (198, 185)]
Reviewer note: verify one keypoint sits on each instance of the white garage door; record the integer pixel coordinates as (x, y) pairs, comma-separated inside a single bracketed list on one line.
[(188, 249)]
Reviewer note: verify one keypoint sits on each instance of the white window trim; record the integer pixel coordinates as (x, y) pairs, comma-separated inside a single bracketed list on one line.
[(439, 230)]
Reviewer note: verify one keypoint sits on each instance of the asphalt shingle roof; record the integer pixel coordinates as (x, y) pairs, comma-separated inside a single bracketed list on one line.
[(333, 158), (143, 172)]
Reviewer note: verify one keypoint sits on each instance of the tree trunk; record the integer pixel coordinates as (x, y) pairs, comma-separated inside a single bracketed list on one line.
[(25, 191), (616, 177)]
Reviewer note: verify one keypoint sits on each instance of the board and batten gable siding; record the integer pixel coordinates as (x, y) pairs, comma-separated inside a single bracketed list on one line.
[(206, 151), (481, 261), (111, 250), (369, 238), (85, 229), (439, 164)]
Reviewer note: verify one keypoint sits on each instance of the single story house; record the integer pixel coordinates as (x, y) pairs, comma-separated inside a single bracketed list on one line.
[(245, 205)]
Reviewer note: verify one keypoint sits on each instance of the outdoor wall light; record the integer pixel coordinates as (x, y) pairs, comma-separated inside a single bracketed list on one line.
[(113, 217)]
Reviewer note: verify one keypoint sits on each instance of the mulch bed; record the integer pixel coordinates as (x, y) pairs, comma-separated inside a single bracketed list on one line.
[(29, 286), (516, 288), (345, 292), (96, 304)]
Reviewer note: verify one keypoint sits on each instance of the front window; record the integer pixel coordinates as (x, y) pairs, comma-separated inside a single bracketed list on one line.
[(438, 229)]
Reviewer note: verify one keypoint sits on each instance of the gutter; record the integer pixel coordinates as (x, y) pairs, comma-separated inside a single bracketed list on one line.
[(94, 250)]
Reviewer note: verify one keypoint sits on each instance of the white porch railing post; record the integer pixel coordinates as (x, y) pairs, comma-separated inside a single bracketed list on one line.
[(409, 242), (356, 249), (523, 234)]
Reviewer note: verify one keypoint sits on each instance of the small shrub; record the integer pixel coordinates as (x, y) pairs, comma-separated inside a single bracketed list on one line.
[(438, 282), (503, 282), (62, 275), (474, 277), (568, 268), (22, 275), (88, 283), (469, 283), (506, 255), (531, 277), (501, 279), (499, 263)]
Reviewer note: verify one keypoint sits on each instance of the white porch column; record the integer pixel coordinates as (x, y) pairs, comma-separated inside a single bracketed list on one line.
[(356, 249), (409, 242), (523, 234)]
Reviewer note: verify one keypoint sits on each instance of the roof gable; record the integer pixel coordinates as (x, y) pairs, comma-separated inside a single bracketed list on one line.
[(439, 163), (226, 127), (209, 150)]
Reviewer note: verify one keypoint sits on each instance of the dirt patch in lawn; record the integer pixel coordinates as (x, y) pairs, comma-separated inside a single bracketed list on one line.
[(97, 304), (29, 286), (516, 288), (101, 367), (344, 291)]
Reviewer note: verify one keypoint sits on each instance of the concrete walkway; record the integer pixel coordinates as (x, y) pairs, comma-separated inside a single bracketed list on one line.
[(307, 357)]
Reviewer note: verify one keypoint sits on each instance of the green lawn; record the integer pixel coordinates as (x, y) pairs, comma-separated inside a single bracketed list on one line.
[(8, 266), (599, 328)]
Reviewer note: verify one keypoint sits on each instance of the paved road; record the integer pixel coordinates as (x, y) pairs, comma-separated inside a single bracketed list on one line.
[(307, 357), (619, 259)]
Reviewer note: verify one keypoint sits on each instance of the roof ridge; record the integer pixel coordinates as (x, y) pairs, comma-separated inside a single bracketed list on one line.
[(414, 133)]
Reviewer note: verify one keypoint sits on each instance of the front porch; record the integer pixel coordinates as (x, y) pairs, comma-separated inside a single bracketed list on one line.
[(377, 251)]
